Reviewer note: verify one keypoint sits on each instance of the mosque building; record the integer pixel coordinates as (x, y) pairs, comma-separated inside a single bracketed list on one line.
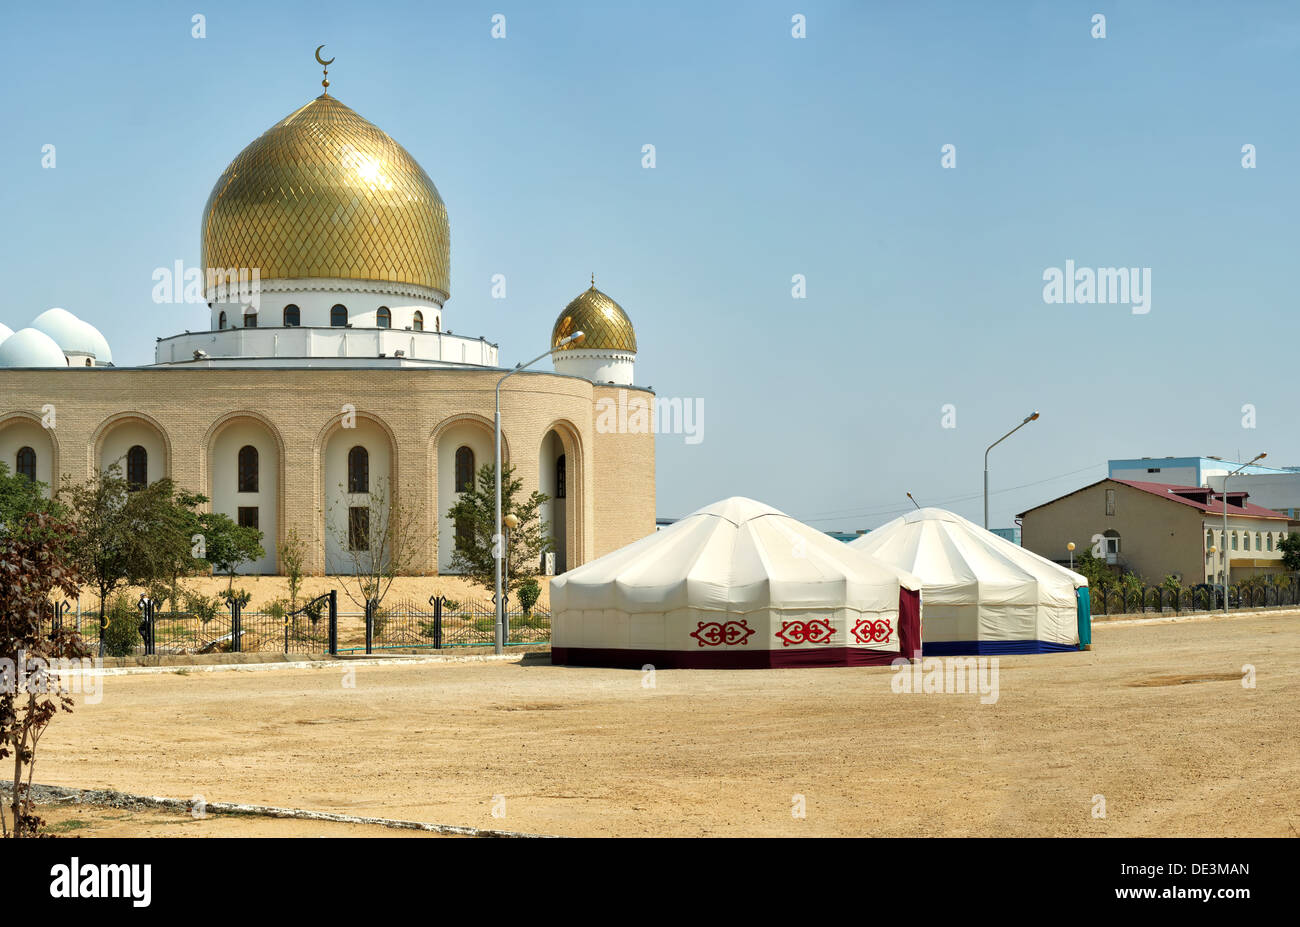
[(330, 369)]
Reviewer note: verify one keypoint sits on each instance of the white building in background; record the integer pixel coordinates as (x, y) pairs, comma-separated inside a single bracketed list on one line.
[(1179, 471)]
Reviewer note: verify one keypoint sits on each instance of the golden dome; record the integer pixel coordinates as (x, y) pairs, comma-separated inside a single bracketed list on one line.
[(325, 193), (604, 322)]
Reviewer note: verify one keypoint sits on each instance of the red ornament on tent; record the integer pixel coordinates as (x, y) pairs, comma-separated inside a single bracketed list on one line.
[(867, 631), (815, 631), (714, 633)]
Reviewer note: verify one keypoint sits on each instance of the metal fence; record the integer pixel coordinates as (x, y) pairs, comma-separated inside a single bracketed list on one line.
[(316, 627), (441, 623), (1206, 597)]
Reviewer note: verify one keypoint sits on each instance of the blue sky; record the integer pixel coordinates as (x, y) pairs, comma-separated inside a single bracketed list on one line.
[(775, 156)]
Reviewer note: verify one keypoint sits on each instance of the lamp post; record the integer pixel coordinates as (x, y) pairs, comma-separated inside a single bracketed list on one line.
[(1227, 551), (1070, 548), (1028, 419), (498, 541)]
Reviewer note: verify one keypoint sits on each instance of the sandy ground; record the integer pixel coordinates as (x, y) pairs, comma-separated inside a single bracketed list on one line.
[(1155, 721)]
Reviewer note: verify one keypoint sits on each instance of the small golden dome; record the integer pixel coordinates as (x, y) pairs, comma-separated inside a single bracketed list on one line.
[(604, 322), (326, 193)]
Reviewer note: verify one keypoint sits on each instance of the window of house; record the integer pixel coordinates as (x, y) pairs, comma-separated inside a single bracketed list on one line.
[(1110, 502), (25, 463), (384, 318), (1209, 539), (248, 517), (464, 469), (417, 323), (339, 316), (1268, 541), (137, 468), (292, 317), (248, 468), (250, 320), (359, 527), (358, 470)]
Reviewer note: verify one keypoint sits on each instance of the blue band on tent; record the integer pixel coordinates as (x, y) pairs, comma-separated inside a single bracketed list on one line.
[(990, 648)]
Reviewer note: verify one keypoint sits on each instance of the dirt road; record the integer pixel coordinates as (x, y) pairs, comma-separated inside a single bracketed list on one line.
[(1155, 722)]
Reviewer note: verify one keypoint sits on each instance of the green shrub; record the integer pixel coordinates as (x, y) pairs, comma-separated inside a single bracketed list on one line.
[(122, 635), (203, 607), (529, 592)]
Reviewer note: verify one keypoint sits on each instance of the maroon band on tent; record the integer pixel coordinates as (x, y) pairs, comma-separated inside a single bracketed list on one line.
[(712, 659)]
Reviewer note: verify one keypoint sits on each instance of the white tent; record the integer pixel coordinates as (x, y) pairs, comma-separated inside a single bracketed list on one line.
[(983, 594), (737, 584)]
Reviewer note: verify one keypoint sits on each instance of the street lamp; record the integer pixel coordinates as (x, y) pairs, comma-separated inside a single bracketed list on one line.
[(498, 541), (1028, 419), (1070, 548), (1227, 551)]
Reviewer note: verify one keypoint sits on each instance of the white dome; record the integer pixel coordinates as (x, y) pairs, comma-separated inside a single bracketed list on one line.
[(72, 334), (104, 354), (5, 332), (29, 347)]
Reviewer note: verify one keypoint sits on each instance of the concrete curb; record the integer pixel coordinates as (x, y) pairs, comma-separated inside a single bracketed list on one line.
[(48, 794)]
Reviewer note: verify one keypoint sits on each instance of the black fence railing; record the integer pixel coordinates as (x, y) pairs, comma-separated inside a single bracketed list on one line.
[(1116, 600), (410, 625), (316, 627), (312, 628)]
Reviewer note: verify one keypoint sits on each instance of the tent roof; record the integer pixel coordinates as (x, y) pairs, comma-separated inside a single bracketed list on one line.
[(734, 556), (958, 561)]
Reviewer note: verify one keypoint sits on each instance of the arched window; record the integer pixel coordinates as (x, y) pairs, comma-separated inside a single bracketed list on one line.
[(464, 469), (418, 322), (561, 477), (292, 317), (358, 469), (248, 468), (250, 320), (137, 468), (221, 321), (1268, 541), (89, 363), (384, 318), (1234, 540), (1209, 539), (339, 316), (26, 463)]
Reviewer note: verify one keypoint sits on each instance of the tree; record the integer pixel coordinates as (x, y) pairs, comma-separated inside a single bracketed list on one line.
[(19, 496), (382, 539), (293, 553), (36, 561), (1100, 575), (130, 536), (226, 544), (1290, 547), (474, 514)]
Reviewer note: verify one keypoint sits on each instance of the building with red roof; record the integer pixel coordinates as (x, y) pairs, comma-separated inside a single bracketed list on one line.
[(1159, 529)]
